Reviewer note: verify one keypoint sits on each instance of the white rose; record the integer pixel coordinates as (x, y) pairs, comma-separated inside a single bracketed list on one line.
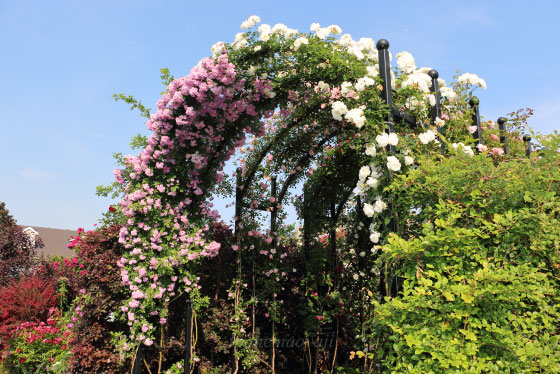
[(374, 237), (356, 116), (370, 150), (250, 22), (393, 139), (473, 79), (393, 163), (299, 41), (408, 160), (365, 171), (338, 110), (371, 182), (335, 29), (406, 62), (345, 88), (369, 210), (427, 137), (379, 206), (382, 139), (439, 122), (322, 33)]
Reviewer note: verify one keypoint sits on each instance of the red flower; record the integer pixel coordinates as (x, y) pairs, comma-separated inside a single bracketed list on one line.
[(112, 209), (22, 359), (319, 317)]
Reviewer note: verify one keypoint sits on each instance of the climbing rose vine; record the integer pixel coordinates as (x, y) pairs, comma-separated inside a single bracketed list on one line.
[(312, 82)]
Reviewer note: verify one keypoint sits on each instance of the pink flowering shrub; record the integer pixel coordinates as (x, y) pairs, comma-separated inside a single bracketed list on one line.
[(26, 300), (36, 345)]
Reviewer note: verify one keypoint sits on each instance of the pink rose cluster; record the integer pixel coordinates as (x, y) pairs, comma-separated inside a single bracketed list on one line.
[(200, 121)]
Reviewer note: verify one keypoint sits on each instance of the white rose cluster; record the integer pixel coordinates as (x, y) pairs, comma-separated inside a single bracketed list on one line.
[(365, 172), (406, 62), (240, 41), (345, 88), (356, 116), (469, 78), (385, 139), (218, 48), (373, 70), (338, 110), (448, 93), (250, 22), (266, 31), (426, 137), (323, 32), (467, 149), (364, 82), (365, 47), (299, 41), (418, 79), (377, 207)]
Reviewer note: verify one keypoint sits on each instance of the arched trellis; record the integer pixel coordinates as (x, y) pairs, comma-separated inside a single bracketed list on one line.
[(221, 149)]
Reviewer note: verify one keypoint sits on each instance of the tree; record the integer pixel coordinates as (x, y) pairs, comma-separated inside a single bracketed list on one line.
[(17, 250)]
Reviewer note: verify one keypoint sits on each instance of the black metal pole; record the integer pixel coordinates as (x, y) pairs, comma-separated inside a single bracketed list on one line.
[(436, 109), (528, 146), (474, 103), (138, 360), (273, 212), (503, 139), (188, 338), (387, 93)]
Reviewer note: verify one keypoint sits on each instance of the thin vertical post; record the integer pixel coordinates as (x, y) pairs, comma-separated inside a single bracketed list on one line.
[(237, 228), (436, 109), (188, 338), (387, 92), (306, 227), (387, 95), (332, 234), (502, 128), (474, 103), (138, 360), (528, 146), (273, 213)]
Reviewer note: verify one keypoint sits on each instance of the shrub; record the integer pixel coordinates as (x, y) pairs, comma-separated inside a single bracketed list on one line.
[(17, 250), (480, 265), (25, 300)]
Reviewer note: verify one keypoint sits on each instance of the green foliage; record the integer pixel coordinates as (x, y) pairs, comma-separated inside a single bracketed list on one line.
[(134, 104), (478, 253)]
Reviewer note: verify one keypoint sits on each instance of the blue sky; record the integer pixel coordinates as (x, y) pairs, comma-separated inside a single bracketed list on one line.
[(60, 62)]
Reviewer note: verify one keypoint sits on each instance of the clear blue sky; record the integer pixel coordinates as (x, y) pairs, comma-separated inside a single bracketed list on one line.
[(60, 62)]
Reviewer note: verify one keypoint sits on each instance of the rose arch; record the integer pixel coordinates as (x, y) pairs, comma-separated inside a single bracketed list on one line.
[(317, 110)]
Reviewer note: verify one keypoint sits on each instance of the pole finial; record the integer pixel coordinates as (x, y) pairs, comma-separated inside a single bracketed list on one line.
[(433, 74), (502, 120), (382, 44), (474, 101)]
